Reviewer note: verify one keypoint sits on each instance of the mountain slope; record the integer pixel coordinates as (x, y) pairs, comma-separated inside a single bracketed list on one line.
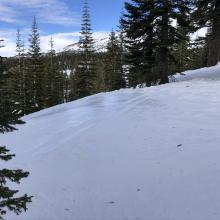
[(149, 153)]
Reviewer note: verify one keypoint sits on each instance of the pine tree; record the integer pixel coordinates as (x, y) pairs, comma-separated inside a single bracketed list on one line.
[(100, 85), (85, 72), (17, 73), (72, 86), (9, 117), (151, 37), (114, 77), (66, 88), (180, 53), (169, 34), (208, 15), (35, 81), (138, 27), (53, 81)]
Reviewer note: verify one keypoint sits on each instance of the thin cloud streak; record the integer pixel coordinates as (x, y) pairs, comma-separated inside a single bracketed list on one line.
[(49, 11)]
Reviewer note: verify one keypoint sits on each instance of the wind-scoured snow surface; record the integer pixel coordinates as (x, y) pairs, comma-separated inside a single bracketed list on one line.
[(134, 154)]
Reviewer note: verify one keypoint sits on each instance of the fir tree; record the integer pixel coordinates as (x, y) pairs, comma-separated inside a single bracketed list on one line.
[(72, 86), (9, 117), (138, 27), (53, 81), (208, 15), (85, 71), (180, 54), (114, 77), (18, 75), (150, 37), (168, 34), (100, 84), (35, 81)]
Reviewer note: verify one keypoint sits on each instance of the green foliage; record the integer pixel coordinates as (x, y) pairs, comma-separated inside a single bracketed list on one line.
[(8, 201), (137, 26), (35, 78), (114, 73), (85, 73), (9, 117), (9, 109), (151, 37), (53, 80), (207, 14)]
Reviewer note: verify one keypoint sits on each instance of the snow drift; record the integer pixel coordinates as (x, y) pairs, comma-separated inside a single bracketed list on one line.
[(149, 153)]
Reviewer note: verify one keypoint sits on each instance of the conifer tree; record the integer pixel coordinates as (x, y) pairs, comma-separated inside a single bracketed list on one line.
[(18, 75), (114, 77), (199, 52), (208, 15), (180, 54), (35, 81), (151, 37), (53, 81), (85, 72), (72, 86), (66, 88), (169, 34), (9, 117), (100, 85), (137, 24)]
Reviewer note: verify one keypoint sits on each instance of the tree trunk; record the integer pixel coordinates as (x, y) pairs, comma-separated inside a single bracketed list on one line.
[(164, 46)]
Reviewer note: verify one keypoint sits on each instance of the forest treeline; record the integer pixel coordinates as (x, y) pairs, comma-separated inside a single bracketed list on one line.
[(153, 41)]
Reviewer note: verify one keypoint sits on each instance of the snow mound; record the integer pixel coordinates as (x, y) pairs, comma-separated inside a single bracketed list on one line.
[(150, 153), (211, 73)]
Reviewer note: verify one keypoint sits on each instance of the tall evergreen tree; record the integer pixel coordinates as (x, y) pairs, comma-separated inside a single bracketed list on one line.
[(169, 34), (72, 86), (18, 75), (138, 27), (85, 72), (114, 77), (53, 80), (35, 81), (9, 116), (208, 15), (151, 36), (180, 54)]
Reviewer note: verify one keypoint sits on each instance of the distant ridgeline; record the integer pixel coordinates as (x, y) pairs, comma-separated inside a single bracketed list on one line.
[(154, 41)]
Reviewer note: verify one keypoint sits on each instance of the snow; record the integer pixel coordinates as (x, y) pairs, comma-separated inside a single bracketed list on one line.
[(134, 154), (209, 73)]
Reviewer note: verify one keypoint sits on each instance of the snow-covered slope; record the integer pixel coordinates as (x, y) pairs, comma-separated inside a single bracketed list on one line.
[(211, 73), (150, 154)]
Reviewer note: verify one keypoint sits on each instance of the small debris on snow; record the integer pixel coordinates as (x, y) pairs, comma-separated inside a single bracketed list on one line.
[(111, 202)]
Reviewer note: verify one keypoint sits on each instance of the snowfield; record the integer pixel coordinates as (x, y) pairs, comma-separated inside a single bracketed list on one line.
[(133, 154)]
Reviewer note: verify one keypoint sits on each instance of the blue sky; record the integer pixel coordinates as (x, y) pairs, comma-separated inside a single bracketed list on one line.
[(58, 18)]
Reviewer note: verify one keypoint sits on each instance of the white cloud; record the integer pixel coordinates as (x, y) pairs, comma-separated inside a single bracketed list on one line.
[(18, 12), (47, 11), (9, 50), (61, 40), (9, 43)]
